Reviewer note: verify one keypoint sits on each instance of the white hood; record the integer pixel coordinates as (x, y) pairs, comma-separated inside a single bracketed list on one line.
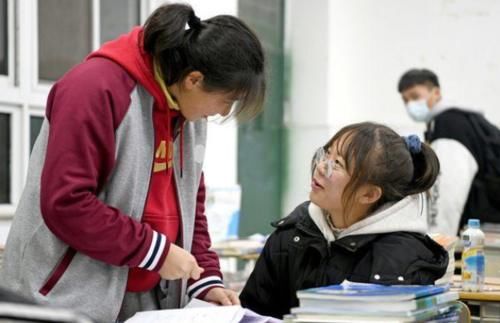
[(443, 105), (406, 215)]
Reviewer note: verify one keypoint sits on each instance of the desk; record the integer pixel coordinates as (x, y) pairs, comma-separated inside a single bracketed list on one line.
[(484, 305), (485, 296), (249, 259), (491, 292), (236, 268), (249, 256), (237, 260)]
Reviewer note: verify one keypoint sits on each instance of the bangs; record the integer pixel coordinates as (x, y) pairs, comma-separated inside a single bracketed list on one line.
[(346, 141), (249, 92)]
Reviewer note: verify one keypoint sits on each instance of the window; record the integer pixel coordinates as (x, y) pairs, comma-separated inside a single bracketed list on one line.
[(39, 42), (5, 158), (118, 17), (66, 30), (64, 36), (35, 126), (4, 39)]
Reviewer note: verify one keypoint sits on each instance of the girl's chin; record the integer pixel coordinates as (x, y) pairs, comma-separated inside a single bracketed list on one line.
[(313, 196)]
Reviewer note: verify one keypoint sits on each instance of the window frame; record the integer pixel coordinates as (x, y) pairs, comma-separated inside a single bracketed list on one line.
[(33, 111), (43, 86), (23, 94), (16, 168), (8, 80)]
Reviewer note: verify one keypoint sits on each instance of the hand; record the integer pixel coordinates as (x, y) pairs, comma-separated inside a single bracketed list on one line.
[(222, 296), (180, 264)]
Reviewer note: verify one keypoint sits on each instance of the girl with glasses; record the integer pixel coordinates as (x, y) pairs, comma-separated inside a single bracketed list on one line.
[(364, 221)]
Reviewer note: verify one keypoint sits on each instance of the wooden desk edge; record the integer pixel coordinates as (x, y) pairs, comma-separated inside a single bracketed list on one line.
[(480, 296)]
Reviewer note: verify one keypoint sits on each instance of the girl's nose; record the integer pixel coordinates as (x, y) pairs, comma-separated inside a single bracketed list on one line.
[(321, 166)]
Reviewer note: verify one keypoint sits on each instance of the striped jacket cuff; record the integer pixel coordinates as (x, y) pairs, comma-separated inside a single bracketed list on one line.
[(203, 284), (156, 253)]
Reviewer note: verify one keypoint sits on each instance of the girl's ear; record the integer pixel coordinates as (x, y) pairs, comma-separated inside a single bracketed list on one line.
[(193, 79), (369, 194)]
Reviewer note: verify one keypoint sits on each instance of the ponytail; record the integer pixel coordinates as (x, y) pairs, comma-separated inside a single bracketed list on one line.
[(425, 170), (164, 29), (164, 39)]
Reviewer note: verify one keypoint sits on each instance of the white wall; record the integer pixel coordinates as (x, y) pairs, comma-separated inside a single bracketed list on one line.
[(373, 42), (307, 96), (346, 57)]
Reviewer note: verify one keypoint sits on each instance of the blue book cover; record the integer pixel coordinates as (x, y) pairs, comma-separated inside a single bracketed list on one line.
[(332, 306), (371, 292)]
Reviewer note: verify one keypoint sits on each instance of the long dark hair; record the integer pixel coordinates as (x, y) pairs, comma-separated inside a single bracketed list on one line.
[(222, 48), (375, 154)]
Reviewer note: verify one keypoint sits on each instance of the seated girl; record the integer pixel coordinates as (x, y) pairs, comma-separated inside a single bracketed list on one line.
[(364, 221)]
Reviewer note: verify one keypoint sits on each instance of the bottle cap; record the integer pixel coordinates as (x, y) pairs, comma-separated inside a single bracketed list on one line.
[(473, 223)]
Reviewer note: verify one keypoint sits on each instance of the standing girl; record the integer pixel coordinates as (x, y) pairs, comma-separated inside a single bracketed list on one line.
[(112, 218)]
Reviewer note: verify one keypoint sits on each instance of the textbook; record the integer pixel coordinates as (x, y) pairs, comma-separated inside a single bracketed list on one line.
[(440, 314), (361, 302), (328, 306), (362, 292)]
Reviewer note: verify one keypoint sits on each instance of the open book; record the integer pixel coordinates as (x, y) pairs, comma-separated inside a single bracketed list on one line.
[(199, 311)]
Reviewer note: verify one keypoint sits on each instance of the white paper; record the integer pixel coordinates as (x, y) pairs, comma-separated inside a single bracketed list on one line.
[(198, 311), (199, 303), (216, 314)]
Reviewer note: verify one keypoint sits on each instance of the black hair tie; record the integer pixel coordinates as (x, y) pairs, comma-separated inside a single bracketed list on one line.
[(194, 22)]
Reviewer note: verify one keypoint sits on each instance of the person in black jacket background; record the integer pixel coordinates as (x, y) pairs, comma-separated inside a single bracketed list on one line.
[(459, 192), (363, 222)]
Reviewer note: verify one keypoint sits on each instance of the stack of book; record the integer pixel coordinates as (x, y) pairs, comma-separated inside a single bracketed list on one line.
[(356, 302)]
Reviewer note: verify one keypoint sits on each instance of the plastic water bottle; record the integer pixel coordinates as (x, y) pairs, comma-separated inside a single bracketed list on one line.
[(473, 257)]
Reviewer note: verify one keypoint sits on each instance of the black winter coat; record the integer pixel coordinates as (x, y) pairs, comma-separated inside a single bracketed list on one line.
[(297, 256), (458, 124)]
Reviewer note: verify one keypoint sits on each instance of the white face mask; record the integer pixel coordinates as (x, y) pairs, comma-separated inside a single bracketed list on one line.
[(419, 110)]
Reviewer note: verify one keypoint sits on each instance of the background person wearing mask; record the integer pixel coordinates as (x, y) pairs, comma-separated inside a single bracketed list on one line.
[(457, 194)]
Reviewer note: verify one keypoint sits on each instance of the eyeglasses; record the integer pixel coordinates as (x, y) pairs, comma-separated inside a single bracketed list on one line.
[(322, 158)]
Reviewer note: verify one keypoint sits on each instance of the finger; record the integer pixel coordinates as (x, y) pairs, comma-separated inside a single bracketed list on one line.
[(195, 275), (233, 297), (196, 272), (224, 300)]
